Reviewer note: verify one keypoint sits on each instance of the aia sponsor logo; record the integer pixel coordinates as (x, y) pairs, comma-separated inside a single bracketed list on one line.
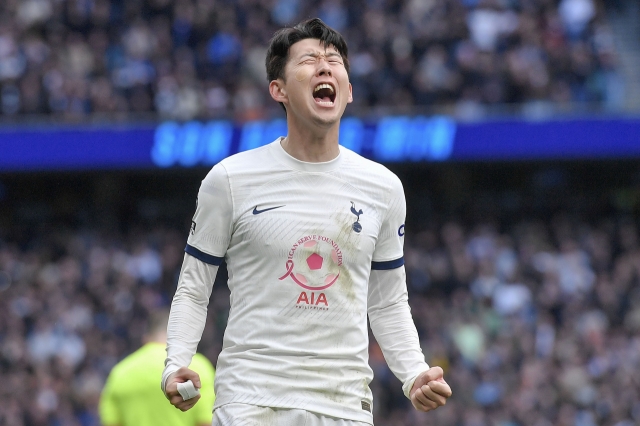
[(313, 263), (311, 300)]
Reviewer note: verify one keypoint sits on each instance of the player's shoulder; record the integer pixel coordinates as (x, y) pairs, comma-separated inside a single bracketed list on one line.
[(239, 163), (371, 170), (247, 159)]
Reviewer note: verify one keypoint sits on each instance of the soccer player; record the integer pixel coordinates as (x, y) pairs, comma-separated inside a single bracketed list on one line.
[(131, 396), (312, 235)]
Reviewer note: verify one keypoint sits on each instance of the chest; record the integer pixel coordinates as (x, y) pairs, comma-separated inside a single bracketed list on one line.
[(293, 219)]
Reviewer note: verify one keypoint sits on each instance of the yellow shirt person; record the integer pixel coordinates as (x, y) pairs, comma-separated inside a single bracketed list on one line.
[(132, 395)]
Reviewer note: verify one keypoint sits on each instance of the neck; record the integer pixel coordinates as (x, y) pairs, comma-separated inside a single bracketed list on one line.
[(311, 143)]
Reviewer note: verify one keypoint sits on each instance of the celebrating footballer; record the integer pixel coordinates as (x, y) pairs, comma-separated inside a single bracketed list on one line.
[(312, 235)]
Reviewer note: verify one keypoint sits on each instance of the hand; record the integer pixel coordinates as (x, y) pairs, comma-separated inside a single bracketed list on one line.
[(171, 390), (430, 391)]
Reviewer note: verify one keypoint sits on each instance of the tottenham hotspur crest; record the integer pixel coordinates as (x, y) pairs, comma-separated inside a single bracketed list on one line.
[(356, 225)]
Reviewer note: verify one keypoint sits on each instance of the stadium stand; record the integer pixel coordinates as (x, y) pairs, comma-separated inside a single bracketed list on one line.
[(201, 58)]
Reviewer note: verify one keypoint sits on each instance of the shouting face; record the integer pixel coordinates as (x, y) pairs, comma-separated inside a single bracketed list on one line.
[(316, 86)]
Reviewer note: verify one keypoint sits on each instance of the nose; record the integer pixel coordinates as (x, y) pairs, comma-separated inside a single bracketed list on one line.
[(323, 67)]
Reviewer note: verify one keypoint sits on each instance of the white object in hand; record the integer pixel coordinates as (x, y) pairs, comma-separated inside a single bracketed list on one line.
[(187, 390)]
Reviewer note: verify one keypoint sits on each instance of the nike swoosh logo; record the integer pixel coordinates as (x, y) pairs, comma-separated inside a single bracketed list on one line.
[(256, 211)]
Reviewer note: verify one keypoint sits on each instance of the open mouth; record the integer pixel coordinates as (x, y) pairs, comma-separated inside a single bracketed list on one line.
[(324, 94)]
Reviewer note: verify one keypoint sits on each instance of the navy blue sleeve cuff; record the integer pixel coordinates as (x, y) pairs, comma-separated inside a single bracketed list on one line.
[(206, 258), (390, 264)]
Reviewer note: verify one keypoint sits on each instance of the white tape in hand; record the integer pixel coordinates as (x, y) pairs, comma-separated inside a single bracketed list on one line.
[(187, 390)]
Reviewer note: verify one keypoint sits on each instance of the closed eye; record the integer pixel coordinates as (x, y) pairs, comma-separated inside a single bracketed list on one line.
[(333, 60)]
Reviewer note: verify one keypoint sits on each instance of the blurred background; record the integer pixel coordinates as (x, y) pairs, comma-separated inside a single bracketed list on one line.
[(514, 126)]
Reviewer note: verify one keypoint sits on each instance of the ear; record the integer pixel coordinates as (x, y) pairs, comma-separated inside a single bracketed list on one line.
[(350, 94), (277, 91)]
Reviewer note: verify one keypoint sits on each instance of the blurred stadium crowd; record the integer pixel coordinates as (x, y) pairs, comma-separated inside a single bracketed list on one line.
[(536, 323), (186, 59)]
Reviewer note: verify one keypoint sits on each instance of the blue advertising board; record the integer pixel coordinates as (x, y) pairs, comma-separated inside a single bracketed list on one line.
[(390, 139)]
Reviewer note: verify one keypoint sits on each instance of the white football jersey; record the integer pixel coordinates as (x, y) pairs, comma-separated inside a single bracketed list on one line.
[(299, 240)]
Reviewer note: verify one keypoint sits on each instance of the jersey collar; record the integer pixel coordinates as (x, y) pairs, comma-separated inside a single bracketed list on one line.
[(293, 163)]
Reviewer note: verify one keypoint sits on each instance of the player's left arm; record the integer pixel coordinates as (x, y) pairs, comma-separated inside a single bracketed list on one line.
[(390, 315), (393, 327)]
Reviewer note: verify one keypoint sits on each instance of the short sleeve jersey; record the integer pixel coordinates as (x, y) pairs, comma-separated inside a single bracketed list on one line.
[(132, 397), (299, 240)]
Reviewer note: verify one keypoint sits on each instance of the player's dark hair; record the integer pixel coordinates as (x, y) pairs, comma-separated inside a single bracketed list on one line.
[(283, 39)]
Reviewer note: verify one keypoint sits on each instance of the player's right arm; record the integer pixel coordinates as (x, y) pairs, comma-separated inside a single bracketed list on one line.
[(186, 324), (206, 246)]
